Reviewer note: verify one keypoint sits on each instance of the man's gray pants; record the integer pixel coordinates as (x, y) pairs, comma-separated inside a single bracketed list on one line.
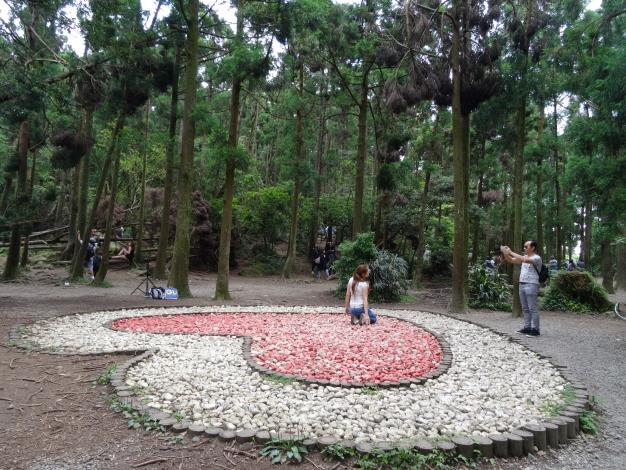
[(528, 294)]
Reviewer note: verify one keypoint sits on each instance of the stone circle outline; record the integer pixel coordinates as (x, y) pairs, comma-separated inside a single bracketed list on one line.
[(551, 432)]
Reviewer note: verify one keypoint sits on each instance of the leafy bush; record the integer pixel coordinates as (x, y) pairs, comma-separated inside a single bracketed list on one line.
[(576, 292), (488, 289), (266, 263), (388, 272), (388, 275), (360, 251), (265, 213), (438, 265), (284, 451)]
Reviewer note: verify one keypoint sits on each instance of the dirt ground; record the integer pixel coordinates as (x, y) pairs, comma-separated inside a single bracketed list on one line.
[(53, 415)]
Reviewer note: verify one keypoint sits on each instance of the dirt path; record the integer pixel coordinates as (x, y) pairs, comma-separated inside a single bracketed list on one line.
[(53, 416)]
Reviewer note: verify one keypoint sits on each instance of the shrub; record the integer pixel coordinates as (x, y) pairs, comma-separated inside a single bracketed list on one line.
[(388, 272), (438, 265), (576, 292), (360, 251), (266, 263), (488, 289), (388, 275)]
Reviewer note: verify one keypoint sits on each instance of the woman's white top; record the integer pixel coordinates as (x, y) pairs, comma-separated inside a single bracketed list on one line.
[(528, 274), (357, 297)]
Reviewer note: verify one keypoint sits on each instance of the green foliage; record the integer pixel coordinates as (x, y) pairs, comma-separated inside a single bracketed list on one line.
[(589, 422), (353, 253), (264, 213), (277, 379), (338, 452), (402, 458), (438, 265), (267, 263), (554, 408), (370, 390), (576, 292), (134, 419), (388, 274), (284, 451), (105, 377), (488, 289)]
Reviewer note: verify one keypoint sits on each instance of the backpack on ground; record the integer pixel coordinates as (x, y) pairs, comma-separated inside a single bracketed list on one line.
[(157, 293)]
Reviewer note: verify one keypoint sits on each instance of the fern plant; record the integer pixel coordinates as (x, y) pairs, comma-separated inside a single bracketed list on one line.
[(388, 277), (488, 289)]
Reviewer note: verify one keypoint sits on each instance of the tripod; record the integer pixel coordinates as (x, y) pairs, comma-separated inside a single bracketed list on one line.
[(146, 283)]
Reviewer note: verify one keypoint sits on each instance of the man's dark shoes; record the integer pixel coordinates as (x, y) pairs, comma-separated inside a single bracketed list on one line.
[(524, 331), (533, 332)]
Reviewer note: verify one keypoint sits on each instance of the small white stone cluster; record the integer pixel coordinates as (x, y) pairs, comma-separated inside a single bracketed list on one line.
[(493, 385)]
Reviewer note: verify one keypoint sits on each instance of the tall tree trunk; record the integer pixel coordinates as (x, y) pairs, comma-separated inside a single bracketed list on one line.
[(459, 254), (60, 204), (518, 172), (539, 184), (76, 271), (223, 262), (557, 189), (6, 192), (104, 264), (11, 268), (607, 266), (299, 140), (160, 269), (421, 232), (86, 126), (476, 222), (142, 198), (361, 154), (319, 152), (588, 235), (518, 189), (620, 256), (31, 185), (179, 272), (72, 239)]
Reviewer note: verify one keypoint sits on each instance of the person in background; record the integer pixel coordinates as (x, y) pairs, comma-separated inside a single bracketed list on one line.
[(570, 265), (90, 252), (553, 263), (316, 261), (357, 293), (97, 261), (127, 253)]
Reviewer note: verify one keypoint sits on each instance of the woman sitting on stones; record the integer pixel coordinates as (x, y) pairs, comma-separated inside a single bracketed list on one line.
[(356, 297)]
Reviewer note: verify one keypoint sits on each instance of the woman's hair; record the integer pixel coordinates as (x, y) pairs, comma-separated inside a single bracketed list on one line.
[(359, 275)]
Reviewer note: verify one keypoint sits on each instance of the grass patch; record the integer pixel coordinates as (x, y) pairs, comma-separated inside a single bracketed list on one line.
[(401, 458), (589, 422), (277, 379), (134, 419), (554, 408), (370, 390), (407, 298), (105, 377)]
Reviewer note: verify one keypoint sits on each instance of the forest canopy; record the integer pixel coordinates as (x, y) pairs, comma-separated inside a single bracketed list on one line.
[(215, 133)]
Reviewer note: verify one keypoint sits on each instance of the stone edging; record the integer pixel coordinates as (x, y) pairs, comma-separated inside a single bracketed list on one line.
[(444, 364), (529, 438)]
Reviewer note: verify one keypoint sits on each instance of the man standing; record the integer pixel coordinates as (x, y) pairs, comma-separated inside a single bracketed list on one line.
[(528, 284)]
